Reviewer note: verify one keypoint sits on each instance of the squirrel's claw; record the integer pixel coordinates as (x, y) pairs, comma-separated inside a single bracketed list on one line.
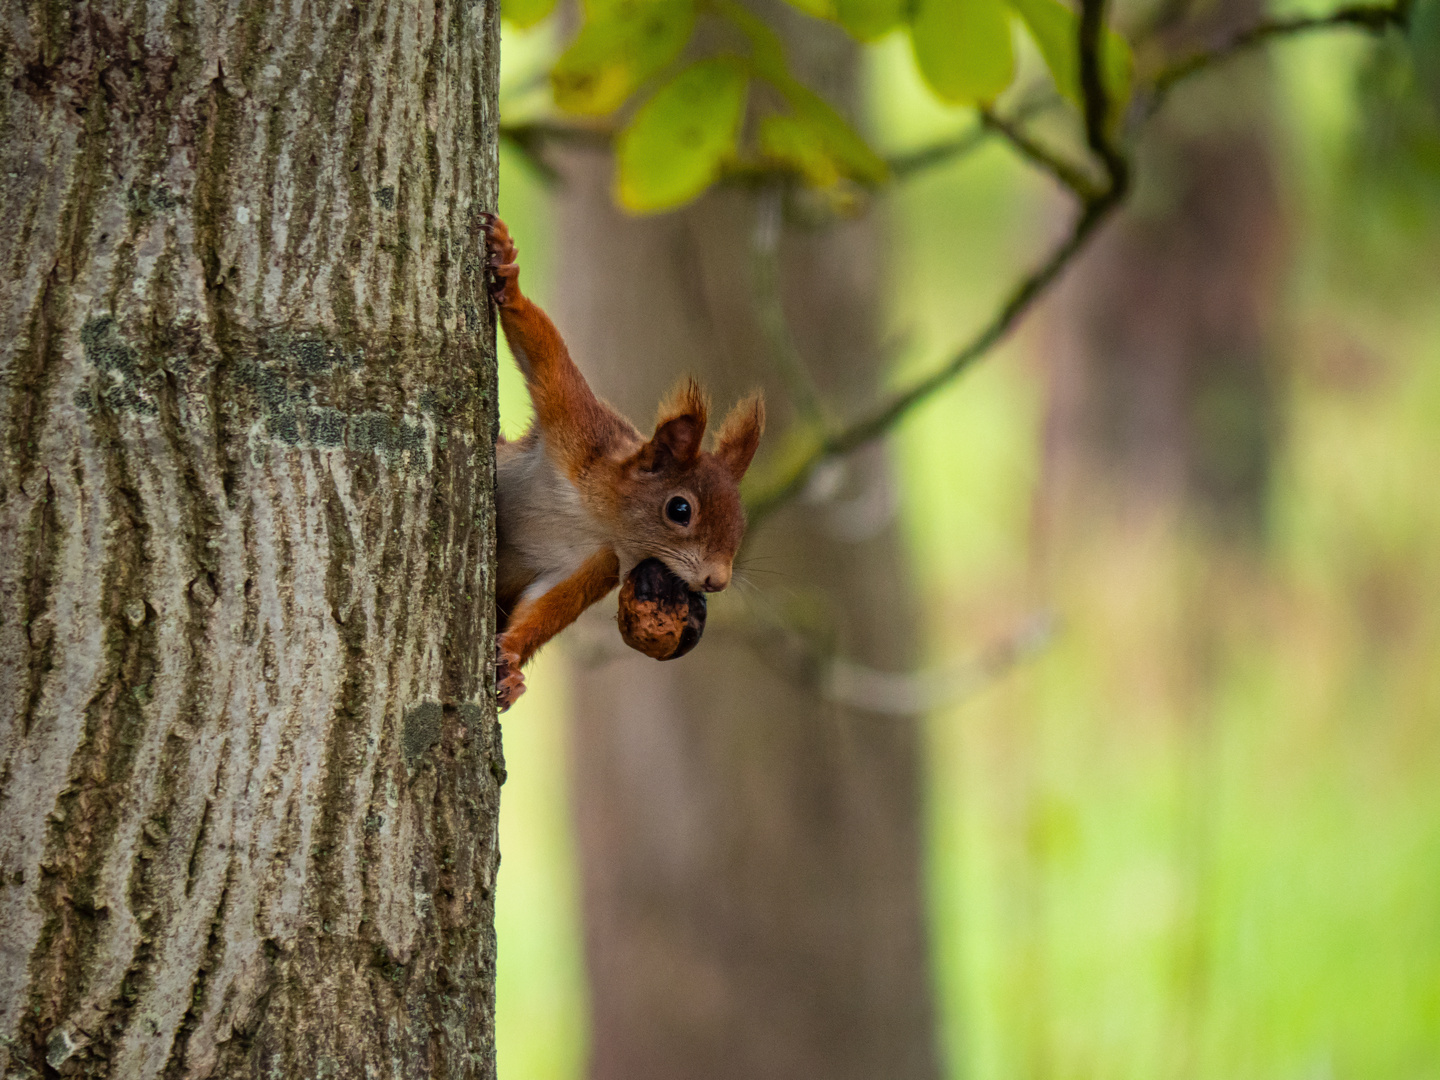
[(500, 256), (509, 682)]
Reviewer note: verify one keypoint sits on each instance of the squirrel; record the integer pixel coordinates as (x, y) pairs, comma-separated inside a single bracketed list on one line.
[(583, 496)]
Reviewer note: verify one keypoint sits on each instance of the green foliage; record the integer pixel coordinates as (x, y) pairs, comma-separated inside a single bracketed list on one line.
[(825, 131), (526, 13), (789, 142), (815, 143), (623, 43), (867, 20), (820, 9), (848, 152), (677, 142), (1055, 29), (963, 48)]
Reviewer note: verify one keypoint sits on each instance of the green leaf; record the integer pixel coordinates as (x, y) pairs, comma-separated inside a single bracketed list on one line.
[(867, 20), (850, 153), (847, 149), (790, 141), (1055, 29), (767, 51), (525, 13), (821, 9), (963, 48), (623, 43), (674, 146)]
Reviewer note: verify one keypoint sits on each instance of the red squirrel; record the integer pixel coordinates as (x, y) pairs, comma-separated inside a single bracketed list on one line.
[(583, 497)]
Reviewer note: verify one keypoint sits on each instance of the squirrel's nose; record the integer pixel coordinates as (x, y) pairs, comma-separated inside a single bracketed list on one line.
[(715, 582)]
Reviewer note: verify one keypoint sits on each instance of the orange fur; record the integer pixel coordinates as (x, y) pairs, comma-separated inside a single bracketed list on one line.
[(582, 497), (536, 621)]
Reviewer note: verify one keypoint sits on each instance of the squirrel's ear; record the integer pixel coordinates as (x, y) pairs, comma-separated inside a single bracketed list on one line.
[(678, 430), (739, 435)]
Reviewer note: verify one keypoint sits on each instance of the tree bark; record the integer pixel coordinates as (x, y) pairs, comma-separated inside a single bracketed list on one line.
[(249, 766), (750, 852)]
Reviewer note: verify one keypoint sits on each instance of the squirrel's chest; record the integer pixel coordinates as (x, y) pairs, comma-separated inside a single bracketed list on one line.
[(545, 530)]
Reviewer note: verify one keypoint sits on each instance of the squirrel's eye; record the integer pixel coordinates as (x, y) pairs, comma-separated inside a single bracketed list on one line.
[(678, 510)]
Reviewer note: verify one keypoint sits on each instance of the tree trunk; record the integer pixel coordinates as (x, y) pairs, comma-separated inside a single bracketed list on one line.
[(750, 853), (249, 768), (1165, 388)]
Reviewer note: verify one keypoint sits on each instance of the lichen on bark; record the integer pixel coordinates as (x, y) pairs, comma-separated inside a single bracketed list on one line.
[(249, 765)]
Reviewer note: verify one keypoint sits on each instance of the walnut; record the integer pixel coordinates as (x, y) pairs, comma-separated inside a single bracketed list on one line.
[(659, 616)]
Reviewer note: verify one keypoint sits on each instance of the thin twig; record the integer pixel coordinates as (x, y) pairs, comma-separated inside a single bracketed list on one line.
[(1167, 15), (1095, 209), (792, 480), (903, 166), (1095, 97), (1097, 111), (914, 693), (1372, 18), (770, 307), (1098, 202), (808, 658), (1042, 158)]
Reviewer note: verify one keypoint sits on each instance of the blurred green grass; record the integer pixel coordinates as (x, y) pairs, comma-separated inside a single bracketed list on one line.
[(1199, 835)]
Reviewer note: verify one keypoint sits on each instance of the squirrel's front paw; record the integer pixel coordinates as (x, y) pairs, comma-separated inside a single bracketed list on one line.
[(509, 682), (502, 270)]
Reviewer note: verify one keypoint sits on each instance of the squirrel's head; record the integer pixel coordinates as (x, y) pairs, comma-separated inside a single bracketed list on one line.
[(683, 502)]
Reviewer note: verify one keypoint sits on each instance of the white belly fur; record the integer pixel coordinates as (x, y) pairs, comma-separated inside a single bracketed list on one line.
[(545, 533)]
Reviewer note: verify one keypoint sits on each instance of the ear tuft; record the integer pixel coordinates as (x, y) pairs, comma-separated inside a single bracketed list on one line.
[(679, 427), (739, 435), (687, 399)]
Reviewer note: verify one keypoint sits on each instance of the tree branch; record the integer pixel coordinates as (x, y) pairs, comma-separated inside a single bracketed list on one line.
[(1368, 17), (1096, 206), (1042, 158), (1095, 97), (1098, 201), (531, 136), (791, 479), (808, 661), (903, 166), (908, 693)]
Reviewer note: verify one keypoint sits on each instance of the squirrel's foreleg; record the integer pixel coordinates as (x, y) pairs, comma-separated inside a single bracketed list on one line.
[(566, 410), (537, 619)]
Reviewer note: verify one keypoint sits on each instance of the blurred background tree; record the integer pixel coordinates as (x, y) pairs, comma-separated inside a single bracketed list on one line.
[(1194, 833), (749, 848)]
